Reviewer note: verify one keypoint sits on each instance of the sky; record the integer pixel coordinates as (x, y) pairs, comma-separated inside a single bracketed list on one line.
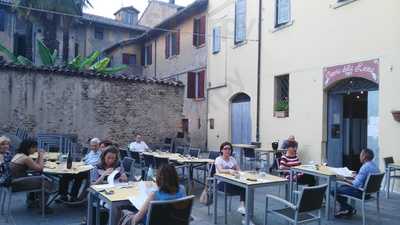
[(107, 8)]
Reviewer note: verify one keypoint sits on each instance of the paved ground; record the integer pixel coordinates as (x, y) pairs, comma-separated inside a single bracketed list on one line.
[(63, 215)]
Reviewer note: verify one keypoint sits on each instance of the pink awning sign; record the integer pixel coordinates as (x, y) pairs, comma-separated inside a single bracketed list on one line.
[(366, 69)]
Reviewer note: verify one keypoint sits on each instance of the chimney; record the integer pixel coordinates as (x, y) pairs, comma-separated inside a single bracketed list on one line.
[(171, 1)]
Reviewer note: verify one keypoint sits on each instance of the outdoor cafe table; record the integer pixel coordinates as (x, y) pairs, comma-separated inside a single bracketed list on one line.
[(60, 169), (51, 156), (242, 148), (114, 196), (391, 167), (189, 162), (323, 172), (256, 181)]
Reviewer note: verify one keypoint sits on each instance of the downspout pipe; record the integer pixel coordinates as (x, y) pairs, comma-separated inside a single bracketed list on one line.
[(259, 71)]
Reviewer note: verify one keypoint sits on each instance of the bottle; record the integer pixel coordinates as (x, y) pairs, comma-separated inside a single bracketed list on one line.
[(150, 174), (69, 160)]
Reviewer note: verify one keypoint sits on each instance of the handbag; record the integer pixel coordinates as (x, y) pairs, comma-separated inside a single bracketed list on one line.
[(126, 217)]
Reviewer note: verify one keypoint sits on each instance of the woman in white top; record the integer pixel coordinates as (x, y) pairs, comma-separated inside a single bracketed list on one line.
[(227, 164)]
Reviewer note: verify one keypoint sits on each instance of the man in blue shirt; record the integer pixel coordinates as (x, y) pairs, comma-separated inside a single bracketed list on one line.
[(368, 167)]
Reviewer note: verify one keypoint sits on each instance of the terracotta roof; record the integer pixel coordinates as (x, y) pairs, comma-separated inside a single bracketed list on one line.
[(112, 22), (88, 74)]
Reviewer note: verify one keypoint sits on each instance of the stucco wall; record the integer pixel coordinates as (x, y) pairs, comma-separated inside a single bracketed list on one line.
[(156, 12), (233, 70), (359, 31), (89, 106)]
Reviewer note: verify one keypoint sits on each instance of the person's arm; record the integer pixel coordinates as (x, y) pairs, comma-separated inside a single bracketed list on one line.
[(145, 146), (123, 177), (220, 169), (35, 166), (143, 211), (360, 178), (101, 178)]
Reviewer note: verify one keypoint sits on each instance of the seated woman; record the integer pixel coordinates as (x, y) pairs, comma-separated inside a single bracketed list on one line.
[(21, 163), (109, 161), (5, 159), (290, 159), (225, 163), (168, 189)]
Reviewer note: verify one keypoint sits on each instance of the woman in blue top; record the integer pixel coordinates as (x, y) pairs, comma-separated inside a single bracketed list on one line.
[(168, 189)]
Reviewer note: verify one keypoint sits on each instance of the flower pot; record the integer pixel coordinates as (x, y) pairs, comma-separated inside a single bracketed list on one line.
[(396, 115), (281, 114)]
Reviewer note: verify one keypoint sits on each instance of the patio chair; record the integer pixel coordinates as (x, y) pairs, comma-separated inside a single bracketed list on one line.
[(158, 161), (310, 200), (194, 152), (148, 163), (392, 175), (211, 155), (250, 156), (172, 212), (137, 163), (181, 150), (372, 186), (7, 192), (127, 163), (123, 153)]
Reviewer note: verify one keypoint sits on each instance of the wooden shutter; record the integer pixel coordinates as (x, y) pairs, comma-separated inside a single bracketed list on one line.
[(191, 85), (200, 84), (167, 43), (178, 37), (282, 12), (240, 21), (202, 30), (2, 20), (195, 32), (143, 55), (125, 59), (150, 54)]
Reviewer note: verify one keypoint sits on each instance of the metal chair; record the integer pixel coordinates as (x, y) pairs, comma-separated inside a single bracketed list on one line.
[(172, 212), (158, 161), (181, 150), (194, 152), (123, 153), (392, 174), (211, 155), (310, 200), (250, 155), (372, 186), (127, 163)]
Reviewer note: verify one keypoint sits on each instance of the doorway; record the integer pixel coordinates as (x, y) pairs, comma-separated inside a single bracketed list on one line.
[(240, 119), (352, 121)]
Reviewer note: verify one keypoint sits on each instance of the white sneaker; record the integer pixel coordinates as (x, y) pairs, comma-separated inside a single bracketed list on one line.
[(244, 222), (241, 210)]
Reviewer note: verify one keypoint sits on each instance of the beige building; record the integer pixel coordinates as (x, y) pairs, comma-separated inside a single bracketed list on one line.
[(334, 62), (176, 49)]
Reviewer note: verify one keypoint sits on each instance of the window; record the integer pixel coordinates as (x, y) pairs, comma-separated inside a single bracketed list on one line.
[(147, 55), (199, 31), (128, 59), (185, 125), (216, 44), (172, 44), (211, 124), (2, 20), (76, 50), (99, 33), (195, 84), (282, 12), (198, 123), (240, 21), (282, 93), (128, 18)]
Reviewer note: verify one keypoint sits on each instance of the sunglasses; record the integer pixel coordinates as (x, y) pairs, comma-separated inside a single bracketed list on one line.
[(226, 148)]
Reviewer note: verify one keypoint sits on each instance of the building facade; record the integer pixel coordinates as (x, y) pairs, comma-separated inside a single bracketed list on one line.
[(175, 49), (328, 76)]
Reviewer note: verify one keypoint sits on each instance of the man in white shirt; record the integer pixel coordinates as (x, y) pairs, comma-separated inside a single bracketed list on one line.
[(138, 145)]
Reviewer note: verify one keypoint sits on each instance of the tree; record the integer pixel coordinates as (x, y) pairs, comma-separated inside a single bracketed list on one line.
[(35, 11)]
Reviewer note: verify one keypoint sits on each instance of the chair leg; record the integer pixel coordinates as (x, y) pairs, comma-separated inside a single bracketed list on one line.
[(266, 212), (8, 213), (230, 204), (377, 202), (363, 212)]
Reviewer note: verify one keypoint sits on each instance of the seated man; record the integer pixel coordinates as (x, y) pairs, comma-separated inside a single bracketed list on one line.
[(138, 145), (290, 159), (92, 158), (368, 167), (290, 141)]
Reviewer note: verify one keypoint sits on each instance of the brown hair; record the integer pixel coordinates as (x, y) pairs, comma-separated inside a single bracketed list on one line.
[(113, 150), (222, 146), (167, 179)]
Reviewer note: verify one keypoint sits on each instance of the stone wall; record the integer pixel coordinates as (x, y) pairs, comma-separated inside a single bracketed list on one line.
[(89, 105)]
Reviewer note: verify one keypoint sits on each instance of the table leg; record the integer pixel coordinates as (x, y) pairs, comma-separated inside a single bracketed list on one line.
[(268, 160), (291, 172), (249, 205), (387, 182), (328, 199), (225, 204), (89, 214), (241, 157), (112, 217), (97, 211), (215, 200)]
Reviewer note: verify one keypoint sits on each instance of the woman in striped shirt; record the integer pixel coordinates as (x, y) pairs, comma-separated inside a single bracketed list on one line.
[(290, 159)]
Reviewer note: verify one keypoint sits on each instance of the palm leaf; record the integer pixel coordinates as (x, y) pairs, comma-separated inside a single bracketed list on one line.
[(112, 70), (89, 60), (8, 54), (74, 64), (45, 55), (100, 65), (24, 61)]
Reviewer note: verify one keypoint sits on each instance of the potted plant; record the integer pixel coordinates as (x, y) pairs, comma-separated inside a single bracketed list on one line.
[(396, 115), (282, 108)]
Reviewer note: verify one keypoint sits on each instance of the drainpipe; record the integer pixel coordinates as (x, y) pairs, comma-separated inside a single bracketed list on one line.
[(155, 58), (259, 70)]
